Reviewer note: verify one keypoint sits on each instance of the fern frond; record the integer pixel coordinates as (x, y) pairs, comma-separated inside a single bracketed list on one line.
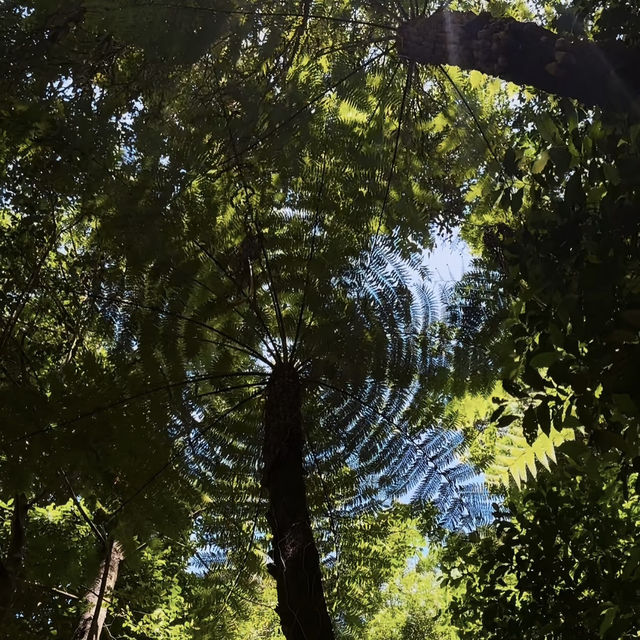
[(517, 460)]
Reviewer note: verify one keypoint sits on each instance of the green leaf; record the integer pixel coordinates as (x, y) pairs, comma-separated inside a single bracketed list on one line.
[(609, 614), (540, 162), (544, 360)]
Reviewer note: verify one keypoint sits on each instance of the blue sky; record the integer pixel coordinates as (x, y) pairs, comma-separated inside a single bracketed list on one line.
[(448, 260)]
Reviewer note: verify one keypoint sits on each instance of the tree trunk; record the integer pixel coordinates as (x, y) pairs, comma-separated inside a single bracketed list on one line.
[(296, 565), (11, 566), (97, 598), (603, 74)]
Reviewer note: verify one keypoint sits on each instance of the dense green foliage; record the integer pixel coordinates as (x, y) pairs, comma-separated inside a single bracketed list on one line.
[(192, 194), (566, 564), (562, 560)]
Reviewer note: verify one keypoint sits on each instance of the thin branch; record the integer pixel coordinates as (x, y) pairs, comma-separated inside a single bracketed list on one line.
[(354, 44), (272, 290), (416, 445), (401, 9), (173, 457), (240, 345), (7, 329), (292, 51), (475, 118), (384, 91), (385, 201), (257, 602), (262, 338), (310, 257), (330, 512), (274, 14), (353, 396), (234, 585), (252, 303), (283, 123), (136, 396), (377, 4), (248, 385), (270, 282), (83, 513), (45, 587), (226, 345)]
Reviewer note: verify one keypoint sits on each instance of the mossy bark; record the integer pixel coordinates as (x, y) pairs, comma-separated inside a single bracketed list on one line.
[(595, 73)]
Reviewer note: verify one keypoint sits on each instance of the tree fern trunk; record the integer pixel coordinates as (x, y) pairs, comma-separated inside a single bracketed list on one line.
[(296, 566), (11, 566), (603, 74), (97, 598)]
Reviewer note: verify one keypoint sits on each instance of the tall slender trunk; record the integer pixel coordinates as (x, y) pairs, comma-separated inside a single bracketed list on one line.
[(98, 597), (11, 566), (603, 73), (296, 565)]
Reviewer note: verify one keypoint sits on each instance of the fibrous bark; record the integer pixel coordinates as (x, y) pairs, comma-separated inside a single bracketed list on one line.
[(296, 565), (98, 597), (11, 566), (603, 73)]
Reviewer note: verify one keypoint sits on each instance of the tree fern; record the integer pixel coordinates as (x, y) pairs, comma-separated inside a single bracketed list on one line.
[(223, 259)]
